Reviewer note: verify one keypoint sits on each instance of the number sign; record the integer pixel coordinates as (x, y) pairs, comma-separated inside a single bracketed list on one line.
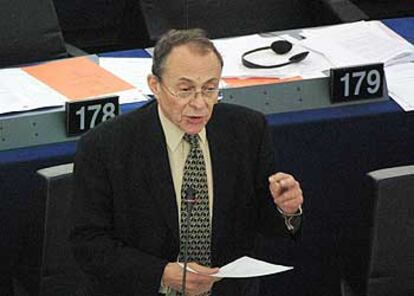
[(81, 116), (357, 83)]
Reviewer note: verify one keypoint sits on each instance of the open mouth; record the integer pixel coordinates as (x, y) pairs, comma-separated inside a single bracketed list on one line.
[(195, 119)]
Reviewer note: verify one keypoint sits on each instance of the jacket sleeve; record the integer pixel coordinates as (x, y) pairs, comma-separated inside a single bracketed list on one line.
[(271, 222)]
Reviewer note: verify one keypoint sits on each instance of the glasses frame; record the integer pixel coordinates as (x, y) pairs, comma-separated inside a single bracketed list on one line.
[(191, 95)]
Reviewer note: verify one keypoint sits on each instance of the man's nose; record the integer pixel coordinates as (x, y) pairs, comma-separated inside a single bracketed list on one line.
[(198, 101)]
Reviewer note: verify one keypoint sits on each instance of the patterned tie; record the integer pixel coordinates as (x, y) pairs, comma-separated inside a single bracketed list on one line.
[(199, 233)]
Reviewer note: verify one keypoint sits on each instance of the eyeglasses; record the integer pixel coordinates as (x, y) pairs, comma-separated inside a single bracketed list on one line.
[(187, 95)]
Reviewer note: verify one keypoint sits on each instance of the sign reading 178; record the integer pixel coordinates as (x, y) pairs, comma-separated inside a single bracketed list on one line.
[(84, 115), (357, 83)]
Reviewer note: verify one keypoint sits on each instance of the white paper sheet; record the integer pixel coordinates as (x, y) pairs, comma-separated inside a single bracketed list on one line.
[(133, 70), (246, 267), (400, 82), (359, 43), (20, 91)]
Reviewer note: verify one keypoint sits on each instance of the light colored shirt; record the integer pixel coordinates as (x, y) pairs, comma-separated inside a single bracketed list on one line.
[(178, 150)]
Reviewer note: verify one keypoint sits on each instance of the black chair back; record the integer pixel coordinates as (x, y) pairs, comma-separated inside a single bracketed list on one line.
[(223, 18), (30, 32), (60, 274), (391, 269), (233, 17)]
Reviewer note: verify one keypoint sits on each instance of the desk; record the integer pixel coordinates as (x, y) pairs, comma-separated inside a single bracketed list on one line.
[(329, 150)]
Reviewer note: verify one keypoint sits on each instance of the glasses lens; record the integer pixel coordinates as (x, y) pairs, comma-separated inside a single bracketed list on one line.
[(191, 94), (185, 94), (210, 93)]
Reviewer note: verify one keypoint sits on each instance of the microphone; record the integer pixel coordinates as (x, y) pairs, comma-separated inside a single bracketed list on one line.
[(189, 200)]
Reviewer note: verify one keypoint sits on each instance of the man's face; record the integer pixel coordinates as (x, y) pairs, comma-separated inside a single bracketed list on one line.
[(186, 69)]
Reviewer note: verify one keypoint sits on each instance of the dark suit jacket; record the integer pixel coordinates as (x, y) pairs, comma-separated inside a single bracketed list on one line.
[(124, 208)]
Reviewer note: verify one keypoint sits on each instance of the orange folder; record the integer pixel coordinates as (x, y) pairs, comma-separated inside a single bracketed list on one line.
[(78, 78), (241, 82)]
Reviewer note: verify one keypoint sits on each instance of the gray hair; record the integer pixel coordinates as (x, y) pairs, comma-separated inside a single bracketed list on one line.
[(174, 38)]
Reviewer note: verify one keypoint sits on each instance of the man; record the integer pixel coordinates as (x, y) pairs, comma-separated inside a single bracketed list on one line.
[(135, 177)]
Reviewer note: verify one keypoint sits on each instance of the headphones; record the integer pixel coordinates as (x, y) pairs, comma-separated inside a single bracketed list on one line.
[(279, 47)]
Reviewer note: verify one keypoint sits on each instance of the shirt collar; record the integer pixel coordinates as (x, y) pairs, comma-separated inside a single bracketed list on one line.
[(173, 134)]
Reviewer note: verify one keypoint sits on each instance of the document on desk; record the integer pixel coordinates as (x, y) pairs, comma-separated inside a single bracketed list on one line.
[(246, 267), (19, 91), (400, 84), (80, 78), (359, 43), (132, 70)]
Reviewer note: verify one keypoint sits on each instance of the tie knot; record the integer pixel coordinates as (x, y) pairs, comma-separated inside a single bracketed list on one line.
[(191, 139)]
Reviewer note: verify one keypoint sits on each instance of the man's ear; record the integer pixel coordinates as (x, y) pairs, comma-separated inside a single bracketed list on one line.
[(153, 84)]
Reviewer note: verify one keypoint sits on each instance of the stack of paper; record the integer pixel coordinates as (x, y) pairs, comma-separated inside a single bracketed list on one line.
[(400, 80), (53, 83), (19, 91), (358, 44)]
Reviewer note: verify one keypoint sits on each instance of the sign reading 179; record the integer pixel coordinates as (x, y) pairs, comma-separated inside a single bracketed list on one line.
[(357, 83), (84, 115)]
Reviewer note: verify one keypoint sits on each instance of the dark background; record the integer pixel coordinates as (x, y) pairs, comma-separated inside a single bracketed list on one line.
[(104, 25)]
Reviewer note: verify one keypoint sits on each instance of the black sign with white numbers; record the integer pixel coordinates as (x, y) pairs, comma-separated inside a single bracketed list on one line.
[(84, 115), (357, 83)]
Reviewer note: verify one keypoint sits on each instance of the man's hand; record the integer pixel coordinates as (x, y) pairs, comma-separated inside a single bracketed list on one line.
[(196, 283), (286, 192)]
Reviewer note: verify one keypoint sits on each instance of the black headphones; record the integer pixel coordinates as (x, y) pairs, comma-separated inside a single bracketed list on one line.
[(279, 47)]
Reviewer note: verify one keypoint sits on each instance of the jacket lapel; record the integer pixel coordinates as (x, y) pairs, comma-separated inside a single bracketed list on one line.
[(159, 172)]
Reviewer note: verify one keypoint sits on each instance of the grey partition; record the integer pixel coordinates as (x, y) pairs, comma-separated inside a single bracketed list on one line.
[(60, 275), (30, 32), (391, 270)]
